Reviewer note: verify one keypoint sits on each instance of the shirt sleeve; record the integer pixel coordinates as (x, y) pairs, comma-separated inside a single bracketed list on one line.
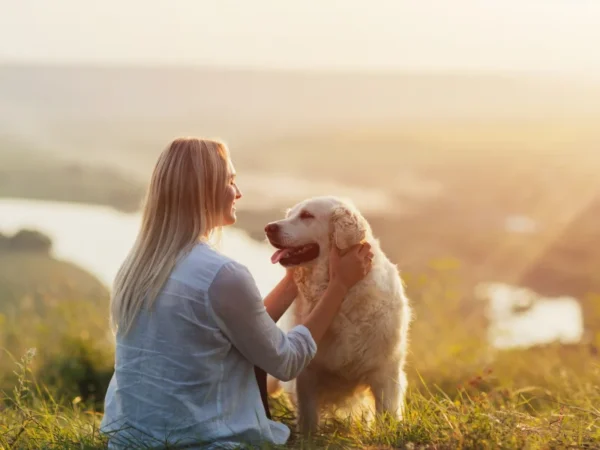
[(240, 313)]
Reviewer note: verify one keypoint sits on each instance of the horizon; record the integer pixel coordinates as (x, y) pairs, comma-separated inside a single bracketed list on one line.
[(516, 74)]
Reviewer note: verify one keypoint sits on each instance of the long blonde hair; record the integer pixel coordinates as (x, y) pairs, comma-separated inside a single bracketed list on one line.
[(183, 205)]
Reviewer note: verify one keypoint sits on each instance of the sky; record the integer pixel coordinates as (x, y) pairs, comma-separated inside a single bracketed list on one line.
[(517, 35)]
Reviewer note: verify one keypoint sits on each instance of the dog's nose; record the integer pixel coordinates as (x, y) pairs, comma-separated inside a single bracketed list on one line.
[(272, 228)]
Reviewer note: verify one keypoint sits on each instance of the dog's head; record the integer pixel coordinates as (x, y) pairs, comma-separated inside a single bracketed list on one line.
[(312, 226)]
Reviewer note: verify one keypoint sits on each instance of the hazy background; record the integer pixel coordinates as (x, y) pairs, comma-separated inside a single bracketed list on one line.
[(465, 131)]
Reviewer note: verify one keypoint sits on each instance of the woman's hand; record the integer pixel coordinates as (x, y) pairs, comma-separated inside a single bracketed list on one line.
[(344, 272), (351, 267)]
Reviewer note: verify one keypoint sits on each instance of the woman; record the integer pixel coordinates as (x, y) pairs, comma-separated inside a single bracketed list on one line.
[(190, 323)]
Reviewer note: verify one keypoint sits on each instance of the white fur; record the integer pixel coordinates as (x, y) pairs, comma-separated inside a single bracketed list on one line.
[(366, 345)]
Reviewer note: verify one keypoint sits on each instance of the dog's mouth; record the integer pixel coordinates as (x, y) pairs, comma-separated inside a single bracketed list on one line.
[(293, 256)]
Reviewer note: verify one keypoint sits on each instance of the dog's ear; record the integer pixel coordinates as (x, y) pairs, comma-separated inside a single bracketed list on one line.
[(348, 227)]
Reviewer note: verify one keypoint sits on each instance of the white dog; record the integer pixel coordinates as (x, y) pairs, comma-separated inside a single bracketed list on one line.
[(366, 345)]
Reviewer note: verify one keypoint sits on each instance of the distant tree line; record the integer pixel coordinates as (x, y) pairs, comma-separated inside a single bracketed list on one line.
[(26, 241)]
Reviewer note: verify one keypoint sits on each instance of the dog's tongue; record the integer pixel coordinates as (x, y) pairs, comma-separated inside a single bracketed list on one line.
[(279, 254)]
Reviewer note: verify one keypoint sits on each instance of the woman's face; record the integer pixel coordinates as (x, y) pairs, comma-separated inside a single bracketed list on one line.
[(232, 193)]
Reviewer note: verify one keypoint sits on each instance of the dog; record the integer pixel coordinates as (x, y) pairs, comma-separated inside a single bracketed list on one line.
[(366, 345)]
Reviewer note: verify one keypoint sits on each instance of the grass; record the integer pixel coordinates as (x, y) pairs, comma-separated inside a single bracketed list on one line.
[(462, 394), (33, 419), (559, 411)]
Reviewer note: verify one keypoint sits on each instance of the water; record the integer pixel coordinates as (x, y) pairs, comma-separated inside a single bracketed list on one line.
[(97, 239), (521, 318)]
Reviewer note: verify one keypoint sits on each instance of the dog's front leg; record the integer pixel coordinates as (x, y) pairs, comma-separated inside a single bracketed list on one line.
[(308, 402), (389, 389)]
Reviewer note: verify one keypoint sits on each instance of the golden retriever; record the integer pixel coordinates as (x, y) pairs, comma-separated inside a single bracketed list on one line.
[(365, 347)]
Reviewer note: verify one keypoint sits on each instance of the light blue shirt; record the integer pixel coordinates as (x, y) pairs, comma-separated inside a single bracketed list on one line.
[(185, 371)]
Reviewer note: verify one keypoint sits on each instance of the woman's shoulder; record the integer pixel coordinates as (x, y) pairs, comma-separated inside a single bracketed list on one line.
[(202, 264)]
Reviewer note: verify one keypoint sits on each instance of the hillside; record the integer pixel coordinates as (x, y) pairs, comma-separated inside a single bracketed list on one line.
[(34, 285), (28, 280), (25, 172), (57, 308), (30, 275)]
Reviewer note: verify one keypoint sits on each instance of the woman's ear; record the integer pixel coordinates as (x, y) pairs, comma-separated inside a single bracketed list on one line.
[(348, 227)]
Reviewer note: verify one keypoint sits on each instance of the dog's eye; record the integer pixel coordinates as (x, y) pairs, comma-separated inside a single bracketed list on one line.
[(306, 215)]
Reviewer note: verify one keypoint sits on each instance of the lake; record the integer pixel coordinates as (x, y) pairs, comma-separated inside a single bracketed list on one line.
[(97, 238)]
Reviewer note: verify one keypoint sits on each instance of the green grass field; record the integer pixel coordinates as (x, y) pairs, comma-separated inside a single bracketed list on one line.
[(522, 401), (462, 395)]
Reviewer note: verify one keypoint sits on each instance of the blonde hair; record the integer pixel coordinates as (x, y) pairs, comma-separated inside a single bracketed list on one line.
[(183, 205)]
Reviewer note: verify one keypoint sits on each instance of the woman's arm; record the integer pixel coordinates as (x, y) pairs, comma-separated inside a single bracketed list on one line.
[(281, 297), (238, 309)]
